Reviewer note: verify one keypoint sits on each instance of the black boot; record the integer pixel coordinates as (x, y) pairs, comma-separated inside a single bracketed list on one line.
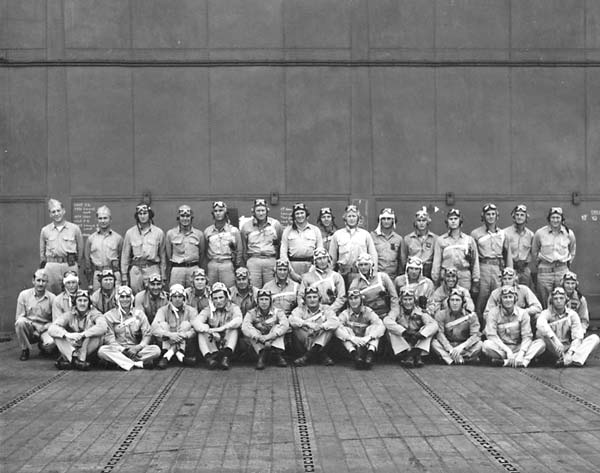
[(24, 355), (262, 359), (225, 355), (368, 364), (212, 361), (417, 357), (278, 358)]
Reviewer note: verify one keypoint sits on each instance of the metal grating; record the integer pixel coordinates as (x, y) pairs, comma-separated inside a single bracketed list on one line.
[(303, 426), (568, 394), (480, 440), (31, 392), (140, 424)]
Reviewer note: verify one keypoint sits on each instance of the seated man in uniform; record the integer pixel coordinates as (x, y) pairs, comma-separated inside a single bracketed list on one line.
[(173, 326), (458, 340), (376, 287), (526, 299), (127, 341), (561, 333), (78, 333), (329, 283), (360, 330), (243, 293), (104, 298), (313, 325), (439, 299), (198, 294), (34, 315), (508, 332), (284, 291), (411, 331), (575, 299), (264, 327), (64, 301), (413, 278), (152, 298), (218, 328)]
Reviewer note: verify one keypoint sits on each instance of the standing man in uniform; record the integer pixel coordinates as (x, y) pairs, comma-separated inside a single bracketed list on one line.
[(388, 243), (218, 328), (553, 249), (326, 223), (184, 248), (223, 247), (329, 283), (420, 242), (143, 251), (102, 250), (456, 249), (127, 342), (520, 240), (61, 246), (299, 241), (105, 297), (494, 255), (34, 315), (152, 298), (349, 242), (261, 238)]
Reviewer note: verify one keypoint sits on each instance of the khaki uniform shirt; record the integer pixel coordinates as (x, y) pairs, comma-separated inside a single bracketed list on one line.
[(126, 329), (57, 242), (37, 310), (224, 244)]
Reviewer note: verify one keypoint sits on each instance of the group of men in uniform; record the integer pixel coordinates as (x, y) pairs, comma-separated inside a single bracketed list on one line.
[(272, 291)]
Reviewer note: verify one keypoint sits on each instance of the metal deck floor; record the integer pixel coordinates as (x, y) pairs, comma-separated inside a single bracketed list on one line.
[(330, 419)]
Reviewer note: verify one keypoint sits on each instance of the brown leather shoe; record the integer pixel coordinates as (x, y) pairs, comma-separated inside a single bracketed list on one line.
[(24, 355)]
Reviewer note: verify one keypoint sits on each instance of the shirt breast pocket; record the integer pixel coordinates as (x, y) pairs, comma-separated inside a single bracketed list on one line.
[(70, 243), (178, 244)]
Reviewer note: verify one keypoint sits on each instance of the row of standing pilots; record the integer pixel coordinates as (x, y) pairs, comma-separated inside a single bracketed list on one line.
[(476, 261)]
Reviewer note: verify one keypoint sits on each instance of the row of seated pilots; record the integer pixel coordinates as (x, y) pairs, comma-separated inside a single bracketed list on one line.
[(541, 258), (120, 328)]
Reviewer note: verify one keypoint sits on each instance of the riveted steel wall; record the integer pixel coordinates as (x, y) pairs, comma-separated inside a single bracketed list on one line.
[(394, 102)]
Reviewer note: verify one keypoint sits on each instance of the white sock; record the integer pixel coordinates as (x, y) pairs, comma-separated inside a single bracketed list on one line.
[(138, 364), (179, 355), (169, 354)]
